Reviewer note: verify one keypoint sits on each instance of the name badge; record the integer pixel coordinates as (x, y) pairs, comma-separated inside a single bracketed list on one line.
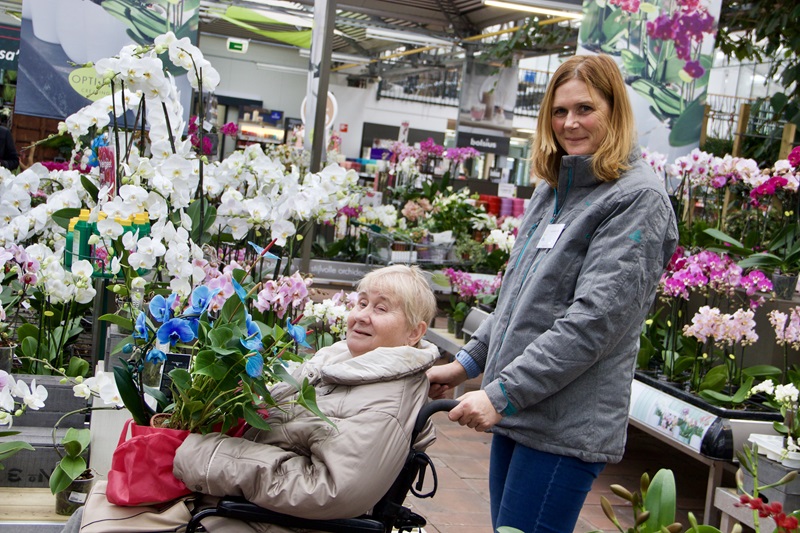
[(551, 234)]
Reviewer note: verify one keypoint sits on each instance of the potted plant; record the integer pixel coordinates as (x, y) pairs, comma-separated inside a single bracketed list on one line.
[(71, 479)]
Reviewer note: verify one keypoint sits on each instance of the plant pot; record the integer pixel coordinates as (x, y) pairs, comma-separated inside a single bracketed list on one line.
[(451, 325), (151, 374), (458, 330), (784, 285), (74, 496)]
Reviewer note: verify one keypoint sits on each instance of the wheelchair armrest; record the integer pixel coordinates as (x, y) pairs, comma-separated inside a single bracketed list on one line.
[(248, 512)]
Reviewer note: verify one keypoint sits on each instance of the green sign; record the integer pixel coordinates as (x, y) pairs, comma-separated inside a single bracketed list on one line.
[(9, 47), (86, 83)]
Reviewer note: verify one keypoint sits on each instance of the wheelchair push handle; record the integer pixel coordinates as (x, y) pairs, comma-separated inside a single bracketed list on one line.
[(429, 409)]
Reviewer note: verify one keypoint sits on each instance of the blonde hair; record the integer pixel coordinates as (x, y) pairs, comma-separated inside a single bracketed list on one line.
[(602, 77), (411, 288)]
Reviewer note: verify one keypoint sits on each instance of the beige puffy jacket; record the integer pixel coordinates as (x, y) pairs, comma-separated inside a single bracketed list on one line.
[(306, 467)]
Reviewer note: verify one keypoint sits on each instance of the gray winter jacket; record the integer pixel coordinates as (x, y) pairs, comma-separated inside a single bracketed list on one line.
[(558, 352)]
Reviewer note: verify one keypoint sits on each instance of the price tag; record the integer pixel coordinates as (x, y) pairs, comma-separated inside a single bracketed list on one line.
[(551, 234), (507, 190)]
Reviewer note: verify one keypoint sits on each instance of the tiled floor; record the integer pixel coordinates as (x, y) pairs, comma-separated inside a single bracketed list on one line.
[(461, 504)]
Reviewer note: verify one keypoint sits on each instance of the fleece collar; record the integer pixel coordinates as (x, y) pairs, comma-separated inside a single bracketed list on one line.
[(335, 365)]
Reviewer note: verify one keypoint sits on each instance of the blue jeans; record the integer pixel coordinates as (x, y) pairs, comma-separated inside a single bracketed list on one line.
[(537, 492)]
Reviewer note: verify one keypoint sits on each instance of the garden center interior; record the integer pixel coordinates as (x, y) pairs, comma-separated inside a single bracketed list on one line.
[(420, 153)]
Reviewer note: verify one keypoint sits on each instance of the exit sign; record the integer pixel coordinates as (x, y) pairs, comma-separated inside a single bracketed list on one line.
[(237, 45)]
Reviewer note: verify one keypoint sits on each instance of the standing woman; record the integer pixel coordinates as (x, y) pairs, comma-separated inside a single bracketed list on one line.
[(558, 352)]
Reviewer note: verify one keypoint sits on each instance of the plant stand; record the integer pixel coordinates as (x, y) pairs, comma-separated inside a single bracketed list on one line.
[(656, 407), (770, 471)]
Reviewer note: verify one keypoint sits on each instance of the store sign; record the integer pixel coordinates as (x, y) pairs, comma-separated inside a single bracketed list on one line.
[(484, 143), (9, 47)]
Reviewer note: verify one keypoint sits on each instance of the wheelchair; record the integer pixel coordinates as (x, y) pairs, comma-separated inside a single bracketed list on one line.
[(388, 514)]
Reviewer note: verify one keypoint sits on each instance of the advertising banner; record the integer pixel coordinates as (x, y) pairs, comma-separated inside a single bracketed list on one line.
[(664, 49), (60, 37), (9, 47)]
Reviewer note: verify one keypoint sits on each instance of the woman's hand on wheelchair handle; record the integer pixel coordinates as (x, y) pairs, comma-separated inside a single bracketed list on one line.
[(475, 411)]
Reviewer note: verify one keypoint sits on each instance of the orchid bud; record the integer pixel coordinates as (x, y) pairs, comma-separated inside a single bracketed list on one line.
[(622, 492), (18, 412), (642, 518)]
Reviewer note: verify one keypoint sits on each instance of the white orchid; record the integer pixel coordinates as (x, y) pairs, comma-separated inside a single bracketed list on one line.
[(32, 397)]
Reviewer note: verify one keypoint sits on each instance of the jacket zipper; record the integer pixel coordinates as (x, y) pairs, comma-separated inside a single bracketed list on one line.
[(535, 260)]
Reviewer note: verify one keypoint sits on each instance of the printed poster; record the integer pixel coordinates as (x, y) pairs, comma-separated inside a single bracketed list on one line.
[(664, 49)]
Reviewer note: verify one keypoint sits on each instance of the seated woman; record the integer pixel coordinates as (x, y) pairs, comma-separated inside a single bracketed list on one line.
[(371, 386)]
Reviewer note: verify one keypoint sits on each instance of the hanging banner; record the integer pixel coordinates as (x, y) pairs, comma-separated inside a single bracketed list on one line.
[(664, 49), (59, 38), (9, 47), (486, 106)]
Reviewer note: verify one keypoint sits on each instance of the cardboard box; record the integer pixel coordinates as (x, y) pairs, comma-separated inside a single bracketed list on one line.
[(32, 469)]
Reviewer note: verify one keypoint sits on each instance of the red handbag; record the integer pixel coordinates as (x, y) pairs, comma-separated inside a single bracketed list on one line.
[(141, 466)]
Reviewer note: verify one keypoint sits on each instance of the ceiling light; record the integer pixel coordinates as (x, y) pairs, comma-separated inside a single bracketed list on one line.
[(282, 68), (405, 37), (542, 7), (344, 58)]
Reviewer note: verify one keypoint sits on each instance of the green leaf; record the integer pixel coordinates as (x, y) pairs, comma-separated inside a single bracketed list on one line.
[(77, 367), (209, 215), (762, 370), (660, 501), (63, 216), (75, 441), (140, 412), (90, 187), (308, 399), (741, 392), (121, 321), (220, 337), (181, 379), (254, 419)]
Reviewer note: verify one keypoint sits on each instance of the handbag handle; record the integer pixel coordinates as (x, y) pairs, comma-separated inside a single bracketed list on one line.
[(123, 436)]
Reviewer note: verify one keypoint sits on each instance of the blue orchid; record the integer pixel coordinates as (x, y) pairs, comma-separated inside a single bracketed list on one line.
[(155, 356), (253, 340), (260, 251), (161, 308), (140, 329), (201, 299), (255, 365), (173, 330), (298, 333)]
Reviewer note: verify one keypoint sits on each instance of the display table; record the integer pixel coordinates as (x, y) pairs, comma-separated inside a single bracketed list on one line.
[(23, 508), (725, 500)]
